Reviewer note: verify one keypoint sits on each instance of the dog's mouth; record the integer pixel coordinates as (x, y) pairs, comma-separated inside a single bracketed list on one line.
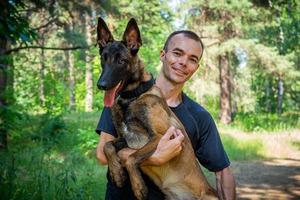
[(110, 95)]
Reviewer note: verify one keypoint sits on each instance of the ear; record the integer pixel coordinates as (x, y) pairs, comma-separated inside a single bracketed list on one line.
[(162, 55), (103, 34), (132, 37)]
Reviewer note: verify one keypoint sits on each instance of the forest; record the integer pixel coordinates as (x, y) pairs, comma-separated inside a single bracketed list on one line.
[(248, 79)]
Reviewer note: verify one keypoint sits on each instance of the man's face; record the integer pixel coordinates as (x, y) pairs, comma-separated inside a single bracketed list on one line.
[(181, 59)]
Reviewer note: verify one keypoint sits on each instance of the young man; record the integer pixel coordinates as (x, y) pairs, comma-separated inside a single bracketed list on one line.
[(180, 58)]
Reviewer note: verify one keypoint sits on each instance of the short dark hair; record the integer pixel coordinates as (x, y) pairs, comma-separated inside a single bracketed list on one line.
[(189, 34)]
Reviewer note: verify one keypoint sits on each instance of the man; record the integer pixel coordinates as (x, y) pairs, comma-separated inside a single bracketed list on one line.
[(180, 58)]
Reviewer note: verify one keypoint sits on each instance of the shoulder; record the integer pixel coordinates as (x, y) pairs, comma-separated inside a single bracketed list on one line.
[(195, 109), (105, 123)]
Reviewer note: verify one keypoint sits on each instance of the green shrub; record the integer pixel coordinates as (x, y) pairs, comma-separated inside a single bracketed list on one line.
[(50, 157), (266, 122)]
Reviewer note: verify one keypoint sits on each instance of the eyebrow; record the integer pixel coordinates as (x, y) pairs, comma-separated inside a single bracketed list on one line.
[(180, 50)]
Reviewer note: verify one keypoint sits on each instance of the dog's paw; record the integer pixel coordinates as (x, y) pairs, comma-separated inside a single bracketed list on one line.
[(140, 190), (119, 177), (118, 174)]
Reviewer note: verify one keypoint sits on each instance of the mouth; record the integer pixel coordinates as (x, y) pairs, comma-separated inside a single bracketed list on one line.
[(179, 72), (110, 95)]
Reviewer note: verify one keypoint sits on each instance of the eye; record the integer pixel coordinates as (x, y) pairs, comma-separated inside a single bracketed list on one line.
[(193, 60), (122, 61), (177, 53)]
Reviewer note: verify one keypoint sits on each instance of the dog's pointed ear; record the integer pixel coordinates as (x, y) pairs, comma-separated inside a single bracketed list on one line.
[(104, 36), (132, 37)]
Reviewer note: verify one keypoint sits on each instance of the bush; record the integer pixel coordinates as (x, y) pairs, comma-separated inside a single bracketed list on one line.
[(49, 157), (266, 122)]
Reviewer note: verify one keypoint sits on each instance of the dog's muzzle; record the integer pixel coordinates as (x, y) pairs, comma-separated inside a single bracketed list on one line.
[(102, 85)]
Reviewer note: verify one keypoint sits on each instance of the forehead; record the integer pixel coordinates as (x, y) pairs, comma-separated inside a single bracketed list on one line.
[(186, 44), (116, 47)]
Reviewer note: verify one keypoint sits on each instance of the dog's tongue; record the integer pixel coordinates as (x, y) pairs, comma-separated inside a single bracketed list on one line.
[(110, 95)]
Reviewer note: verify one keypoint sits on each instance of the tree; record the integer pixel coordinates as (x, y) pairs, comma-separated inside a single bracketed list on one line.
[(13, 29), (226, 27)]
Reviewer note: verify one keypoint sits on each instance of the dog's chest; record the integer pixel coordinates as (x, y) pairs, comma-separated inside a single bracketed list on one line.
[(134, 139), (132, 128)]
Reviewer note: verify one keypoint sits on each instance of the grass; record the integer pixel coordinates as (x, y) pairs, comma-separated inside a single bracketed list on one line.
[(243, 149), (53, 157), (296, 144)]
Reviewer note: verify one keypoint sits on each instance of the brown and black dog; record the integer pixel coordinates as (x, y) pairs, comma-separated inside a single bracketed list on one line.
[(141, 117)]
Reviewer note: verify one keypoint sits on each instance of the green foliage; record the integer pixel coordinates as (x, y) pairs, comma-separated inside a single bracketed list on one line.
[(51, 157), (50, 129), (266, 122), (13, 25)]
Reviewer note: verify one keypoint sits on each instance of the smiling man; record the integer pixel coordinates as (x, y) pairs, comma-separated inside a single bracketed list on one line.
[(180, 58)]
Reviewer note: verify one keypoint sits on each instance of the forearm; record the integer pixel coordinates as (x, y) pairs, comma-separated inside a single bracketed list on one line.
[(225, 184), (104, 137)]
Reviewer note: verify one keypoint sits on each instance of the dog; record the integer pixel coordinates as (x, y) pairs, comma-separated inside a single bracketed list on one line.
[(141, 116)]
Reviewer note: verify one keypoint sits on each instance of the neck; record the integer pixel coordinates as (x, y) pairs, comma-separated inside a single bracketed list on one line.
[(140, 75), (136, 88), (171, 91)]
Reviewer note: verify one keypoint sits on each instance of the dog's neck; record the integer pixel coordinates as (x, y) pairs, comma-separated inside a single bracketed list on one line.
[(138, 77), (144, 85), (134, 89)]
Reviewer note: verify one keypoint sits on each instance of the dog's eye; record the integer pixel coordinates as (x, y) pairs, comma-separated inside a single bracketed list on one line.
[(122, 61)]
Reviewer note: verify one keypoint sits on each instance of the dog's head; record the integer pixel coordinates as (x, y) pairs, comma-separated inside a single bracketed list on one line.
[(117, 58)]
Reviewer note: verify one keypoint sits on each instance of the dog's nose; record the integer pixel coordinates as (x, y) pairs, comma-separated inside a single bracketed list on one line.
[(102, 85)]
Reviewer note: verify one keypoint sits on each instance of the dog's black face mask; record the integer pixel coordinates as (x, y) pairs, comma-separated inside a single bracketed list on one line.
[(117, 58)]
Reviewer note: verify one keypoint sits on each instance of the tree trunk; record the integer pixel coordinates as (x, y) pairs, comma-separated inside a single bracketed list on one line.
[(88, 67), (268, 95), (42, 76), (225, 97), (4, 70), (280, 95), (70, 63), (4, 67)]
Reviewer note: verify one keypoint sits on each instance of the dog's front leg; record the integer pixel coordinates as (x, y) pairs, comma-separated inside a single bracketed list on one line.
[(114, 163), (132, 165)]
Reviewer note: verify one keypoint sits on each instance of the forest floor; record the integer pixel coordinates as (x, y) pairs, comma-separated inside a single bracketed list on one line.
[(277, 176)]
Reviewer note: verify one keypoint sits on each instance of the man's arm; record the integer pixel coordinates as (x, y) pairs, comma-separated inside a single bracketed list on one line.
[(104, 137), (225, 184)]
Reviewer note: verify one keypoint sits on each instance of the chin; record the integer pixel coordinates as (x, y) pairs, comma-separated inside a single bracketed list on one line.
[(178, 80)]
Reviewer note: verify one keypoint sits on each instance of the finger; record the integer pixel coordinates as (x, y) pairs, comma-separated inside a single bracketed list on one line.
[(169, 133), (176, 133), (180, 136), (177, 150)]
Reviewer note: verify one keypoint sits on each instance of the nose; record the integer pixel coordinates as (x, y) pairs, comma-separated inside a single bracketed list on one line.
[(183, 60), (102, 85)]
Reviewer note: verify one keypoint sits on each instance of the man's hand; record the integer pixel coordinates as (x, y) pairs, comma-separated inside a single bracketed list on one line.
[(168, 147)]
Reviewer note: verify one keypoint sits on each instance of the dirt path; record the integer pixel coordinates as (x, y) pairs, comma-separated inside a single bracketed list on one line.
[(278, 176), (275, 179)]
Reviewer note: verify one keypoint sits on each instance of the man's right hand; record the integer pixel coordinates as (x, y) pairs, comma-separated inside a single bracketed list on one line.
[(168, 147)]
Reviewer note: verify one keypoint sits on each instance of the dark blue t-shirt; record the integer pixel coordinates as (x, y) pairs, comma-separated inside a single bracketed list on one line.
[(202, 132)]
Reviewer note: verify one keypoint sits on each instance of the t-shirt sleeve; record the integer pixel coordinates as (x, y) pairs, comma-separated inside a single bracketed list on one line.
[(105, 123), (210, 151)]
